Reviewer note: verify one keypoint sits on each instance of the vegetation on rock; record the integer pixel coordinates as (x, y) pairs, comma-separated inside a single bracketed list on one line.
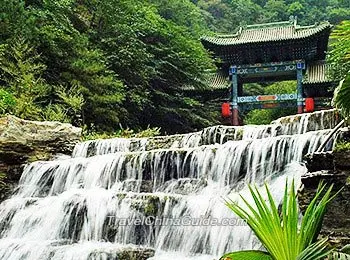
[(342, 147)]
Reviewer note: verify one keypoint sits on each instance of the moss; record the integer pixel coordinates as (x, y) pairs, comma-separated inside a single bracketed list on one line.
[(2, 179), (239, 135), (39, 156), (150, 209), (5, 186), (121, 196), (342, 146)]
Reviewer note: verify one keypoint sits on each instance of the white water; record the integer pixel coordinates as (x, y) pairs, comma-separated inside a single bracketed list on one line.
[(86, 207)]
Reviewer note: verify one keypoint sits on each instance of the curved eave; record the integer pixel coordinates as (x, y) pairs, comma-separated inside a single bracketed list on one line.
[(269, 35)]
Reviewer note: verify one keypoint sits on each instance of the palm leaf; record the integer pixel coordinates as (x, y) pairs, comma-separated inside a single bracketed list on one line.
[(247, 255), (280, 234), (315, 251), (339, 256)]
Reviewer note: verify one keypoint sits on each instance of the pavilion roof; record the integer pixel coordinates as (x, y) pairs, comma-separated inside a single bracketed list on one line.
[(270, 32), (318, 72)]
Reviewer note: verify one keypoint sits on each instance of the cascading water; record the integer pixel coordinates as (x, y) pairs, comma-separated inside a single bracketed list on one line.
[(117, 194)]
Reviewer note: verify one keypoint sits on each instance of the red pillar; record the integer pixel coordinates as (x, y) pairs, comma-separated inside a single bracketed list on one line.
[(235, 117)]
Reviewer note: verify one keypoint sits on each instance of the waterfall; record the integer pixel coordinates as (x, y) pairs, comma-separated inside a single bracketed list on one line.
[(162, 193)]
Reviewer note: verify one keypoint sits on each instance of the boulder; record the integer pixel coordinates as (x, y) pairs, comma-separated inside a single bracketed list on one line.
[(135, 254), (332, 168), (23, 141)]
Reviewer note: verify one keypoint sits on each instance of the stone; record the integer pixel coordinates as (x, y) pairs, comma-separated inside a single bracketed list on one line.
[(342, 160), (135, 254), (332, 168), (319, 161), (24, 141)]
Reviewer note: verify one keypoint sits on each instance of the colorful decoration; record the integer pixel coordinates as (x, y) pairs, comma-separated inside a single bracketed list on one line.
[(309, 105), (226, 110)]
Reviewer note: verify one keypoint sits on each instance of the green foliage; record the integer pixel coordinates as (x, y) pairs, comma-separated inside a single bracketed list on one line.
[(115, 62), (100, 63), (339, 54), (261, 117), (340, 57), (342, 147), (149, 132), (258, 117), (280, 233), (247, 255), (339, 256), (55, 112), (7, 102), (226, 16), (121, 133)]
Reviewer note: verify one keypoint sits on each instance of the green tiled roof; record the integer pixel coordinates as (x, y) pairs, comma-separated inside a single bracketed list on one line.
[(215, 81), (271, 32), (317, 73)]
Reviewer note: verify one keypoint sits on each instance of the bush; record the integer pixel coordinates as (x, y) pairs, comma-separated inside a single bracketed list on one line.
[(121, 133), (7, 102)]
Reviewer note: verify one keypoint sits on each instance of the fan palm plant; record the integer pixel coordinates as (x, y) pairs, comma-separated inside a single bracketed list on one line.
[(280, 233)]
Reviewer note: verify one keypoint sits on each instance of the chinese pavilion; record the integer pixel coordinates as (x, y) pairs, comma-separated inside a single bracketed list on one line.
[(272, 52)]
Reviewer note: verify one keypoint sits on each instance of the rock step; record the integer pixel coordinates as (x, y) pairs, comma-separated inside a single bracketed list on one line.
[(208, 136), (296, 124), (319, 161), (67, 250), (251, 158), (122, 217)]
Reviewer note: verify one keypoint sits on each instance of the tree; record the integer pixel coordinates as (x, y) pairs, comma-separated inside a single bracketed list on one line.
[(152, 55), (20, 70), (339, 56)]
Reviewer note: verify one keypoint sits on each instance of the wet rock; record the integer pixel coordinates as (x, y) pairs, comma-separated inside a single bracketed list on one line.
[(332, 168), (131, 253), (135, 254), (311, 180), (342, 160), (143, 186), (337, 238), (336, 224), (23, 141), (184, 186), (319, 161)]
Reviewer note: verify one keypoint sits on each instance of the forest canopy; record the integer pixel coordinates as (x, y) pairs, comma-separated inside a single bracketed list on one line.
[(107, 64)]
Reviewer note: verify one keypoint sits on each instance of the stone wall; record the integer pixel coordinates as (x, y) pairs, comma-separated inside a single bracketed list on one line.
[(23, 141), (333, 168)]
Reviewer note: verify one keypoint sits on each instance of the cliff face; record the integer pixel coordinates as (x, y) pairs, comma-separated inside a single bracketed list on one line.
[(23, 141), (333, 168)]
